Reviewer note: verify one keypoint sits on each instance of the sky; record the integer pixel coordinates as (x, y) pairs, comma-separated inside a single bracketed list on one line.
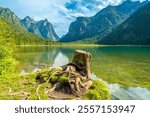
[(59, 12)]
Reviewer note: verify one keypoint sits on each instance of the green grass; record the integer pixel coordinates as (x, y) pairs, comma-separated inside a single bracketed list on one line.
[(16, 83), (13, 84), (24, 83)]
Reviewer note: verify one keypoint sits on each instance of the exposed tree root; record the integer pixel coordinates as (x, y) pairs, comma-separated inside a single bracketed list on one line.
[(37, 92), (69, 81), (51, 76), (53, 88), (60, 98), (18, 93)]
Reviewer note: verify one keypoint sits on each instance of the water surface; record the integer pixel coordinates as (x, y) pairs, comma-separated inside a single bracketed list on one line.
[(126, 70)]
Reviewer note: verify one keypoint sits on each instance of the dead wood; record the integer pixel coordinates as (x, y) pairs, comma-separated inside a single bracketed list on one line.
[(77, 72)]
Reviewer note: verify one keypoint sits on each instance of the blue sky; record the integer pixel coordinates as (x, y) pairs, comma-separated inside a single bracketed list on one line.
[(59, 12)]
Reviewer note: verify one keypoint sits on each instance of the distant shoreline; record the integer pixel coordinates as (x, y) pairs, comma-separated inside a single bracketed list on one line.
[(84, 45)]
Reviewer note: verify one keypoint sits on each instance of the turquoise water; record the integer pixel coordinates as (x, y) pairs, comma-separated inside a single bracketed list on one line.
[(126, 70)]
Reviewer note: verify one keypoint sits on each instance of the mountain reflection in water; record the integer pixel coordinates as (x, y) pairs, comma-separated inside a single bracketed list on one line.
[(125, 70)]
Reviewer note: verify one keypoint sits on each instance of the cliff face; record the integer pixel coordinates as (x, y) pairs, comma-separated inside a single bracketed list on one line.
[(135, 30), (9, 16), (42, 28), (102, 23)]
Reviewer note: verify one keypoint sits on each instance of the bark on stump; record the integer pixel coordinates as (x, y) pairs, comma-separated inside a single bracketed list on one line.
[(77, 72), (80, 76), (83, 59)]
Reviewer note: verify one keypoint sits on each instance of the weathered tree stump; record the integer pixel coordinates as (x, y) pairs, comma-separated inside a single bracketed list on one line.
[(83, 60), (77, 73)]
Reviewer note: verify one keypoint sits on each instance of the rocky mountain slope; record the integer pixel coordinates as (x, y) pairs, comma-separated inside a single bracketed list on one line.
[(135, 30), (42, 28), (14, 30), (102, 23), (9, 15)]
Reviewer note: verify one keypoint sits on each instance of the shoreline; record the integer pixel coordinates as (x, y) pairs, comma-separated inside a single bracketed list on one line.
[(82, 45)]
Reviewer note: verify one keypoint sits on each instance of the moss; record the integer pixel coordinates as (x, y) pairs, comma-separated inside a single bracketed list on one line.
[(30, 76), (45, 70), (63, 79), (42, 89), (25, 83), (43, 96), (28, 83), (98, 91), (33, 97), (47, 73)]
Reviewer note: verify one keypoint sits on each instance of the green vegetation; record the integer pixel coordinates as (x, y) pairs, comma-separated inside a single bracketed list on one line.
[(10, 35), (22, 37), (134, 31), (31, 87), (11, 84), (18, 33), (15, 87), (127, 67), (98, 91), (7, 47), (86, 29)]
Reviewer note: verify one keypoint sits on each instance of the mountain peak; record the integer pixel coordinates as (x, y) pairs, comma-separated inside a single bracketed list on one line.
[(46, 20), (127, 1), (41, 28), (28, 19), (102, 23), (6, 13), (134, 31), (130, 2)]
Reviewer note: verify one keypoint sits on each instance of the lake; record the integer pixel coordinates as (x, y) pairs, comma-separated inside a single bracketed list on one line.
[(125, 69)]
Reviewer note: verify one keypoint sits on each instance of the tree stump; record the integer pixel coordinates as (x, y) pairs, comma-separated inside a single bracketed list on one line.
[(77, 74), (83, 59), (80, 74)]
